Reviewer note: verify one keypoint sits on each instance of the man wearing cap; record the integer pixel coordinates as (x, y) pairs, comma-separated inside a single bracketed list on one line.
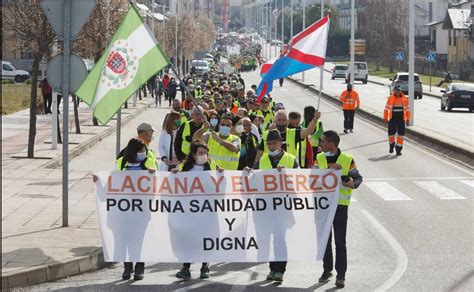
[(397, 114), (198, 91), (224, 148), (185, 133), (278, 158), (145, 133), (230, 104), (267, 114), (291, 137), (350, 101), (220, 108)]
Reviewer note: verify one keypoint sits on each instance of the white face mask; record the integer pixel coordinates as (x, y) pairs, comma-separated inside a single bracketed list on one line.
[(328, 154), (239, 129), (274, 152), (201, 159), (141, 156)]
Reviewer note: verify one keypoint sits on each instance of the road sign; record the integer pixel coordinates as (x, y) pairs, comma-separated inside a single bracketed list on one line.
[(54, 72), (54, 11), (430, 57), (399, 56)]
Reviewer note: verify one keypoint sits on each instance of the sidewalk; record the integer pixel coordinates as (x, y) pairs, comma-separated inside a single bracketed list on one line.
[(35, 248)]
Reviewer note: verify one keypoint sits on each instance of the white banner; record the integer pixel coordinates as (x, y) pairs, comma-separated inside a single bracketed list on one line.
[(209, 216)]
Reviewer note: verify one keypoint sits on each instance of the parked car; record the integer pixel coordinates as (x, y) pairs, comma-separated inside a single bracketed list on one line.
[(201, 66), (361, 72), (10, 72), (401, 79), (459, 95), (339, 71)]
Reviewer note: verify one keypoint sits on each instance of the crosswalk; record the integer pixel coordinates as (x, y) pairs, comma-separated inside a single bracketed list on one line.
[(395, 190)]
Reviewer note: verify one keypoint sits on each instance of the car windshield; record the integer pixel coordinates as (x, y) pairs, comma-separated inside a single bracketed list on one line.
[(463, 87), (361, 66), (340, 67), (199, 63), (405, 78)]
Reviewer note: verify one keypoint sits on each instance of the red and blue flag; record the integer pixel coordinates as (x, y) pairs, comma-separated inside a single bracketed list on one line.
[(305, 51)]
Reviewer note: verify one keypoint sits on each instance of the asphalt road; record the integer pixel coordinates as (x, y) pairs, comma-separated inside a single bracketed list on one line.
[(410, 226), (457, 125)]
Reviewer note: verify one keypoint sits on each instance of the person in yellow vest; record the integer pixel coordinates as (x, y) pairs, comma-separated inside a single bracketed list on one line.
[(224, 148), (309, 112), (332, 157), (266, 112), (185, 116), (145, 133), (135, 158), (197, 160), (278, 158), (185, 133), (291, 137)]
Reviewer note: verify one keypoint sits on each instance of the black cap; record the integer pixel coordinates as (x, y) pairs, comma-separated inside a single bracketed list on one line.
[(273, 135)]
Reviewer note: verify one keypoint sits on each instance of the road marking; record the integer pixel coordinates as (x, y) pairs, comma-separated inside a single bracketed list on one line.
[(402, 258), (468, 182), (439, 190), (387, 192)]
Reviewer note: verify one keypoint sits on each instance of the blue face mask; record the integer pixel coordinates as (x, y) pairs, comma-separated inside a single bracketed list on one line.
[(213, 122), (224, 131)]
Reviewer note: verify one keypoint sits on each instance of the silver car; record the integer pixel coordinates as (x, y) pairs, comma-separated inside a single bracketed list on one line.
[(339, 71), (401, 80)]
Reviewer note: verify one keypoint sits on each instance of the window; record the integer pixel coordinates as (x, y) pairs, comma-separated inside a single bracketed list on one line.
[(7, 68), (361, 66), (449, 37)]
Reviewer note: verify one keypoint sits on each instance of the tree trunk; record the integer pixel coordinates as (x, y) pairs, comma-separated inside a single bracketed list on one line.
[(96, 59), (76, 114), (60, 140), (33, 107)]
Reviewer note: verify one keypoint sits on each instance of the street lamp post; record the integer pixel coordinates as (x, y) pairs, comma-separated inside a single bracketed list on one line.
[(321, 79), (411, 60), (304, 26), (351, 69)]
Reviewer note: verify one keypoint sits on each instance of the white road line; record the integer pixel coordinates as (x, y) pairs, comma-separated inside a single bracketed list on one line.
[(386, 191), (402, 258), (439, 190), (468, 182)]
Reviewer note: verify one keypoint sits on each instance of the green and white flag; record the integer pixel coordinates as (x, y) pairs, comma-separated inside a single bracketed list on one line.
[(132, 57)]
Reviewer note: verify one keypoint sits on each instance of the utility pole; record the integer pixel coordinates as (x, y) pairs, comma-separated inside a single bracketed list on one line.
[(282, 25), (321, 68), (304, 27), (351, 68), (411, 60)]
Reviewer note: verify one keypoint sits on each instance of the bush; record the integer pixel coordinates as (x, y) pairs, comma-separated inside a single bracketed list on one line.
[(28, 81), (7, 81)]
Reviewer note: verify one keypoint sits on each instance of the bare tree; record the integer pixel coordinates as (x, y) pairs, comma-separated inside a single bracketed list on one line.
[(32, 32), (383, 23)]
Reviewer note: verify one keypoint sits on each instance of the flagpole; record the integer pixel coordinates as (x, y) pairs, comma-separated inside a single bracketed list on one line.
[(304, 27), (321, 68)]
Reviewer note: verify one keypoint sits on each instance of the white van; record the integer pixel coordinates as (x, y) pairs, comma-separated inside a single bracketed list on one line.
[(361, 72), (10, 72)]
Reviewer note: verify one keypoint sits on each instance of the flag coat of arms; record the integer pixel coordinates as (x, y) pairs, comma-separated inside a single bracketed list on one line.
[(131, 59), (305, 51)]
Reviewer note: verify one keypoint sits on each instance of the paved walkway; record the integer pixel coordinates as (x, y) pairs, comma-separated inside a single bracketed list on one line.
[(35, 247)]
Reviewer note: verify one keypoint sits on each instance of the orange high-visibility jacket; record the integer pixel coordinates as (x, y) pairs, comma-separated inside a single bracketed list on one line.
[(350, 100), (395, 104)]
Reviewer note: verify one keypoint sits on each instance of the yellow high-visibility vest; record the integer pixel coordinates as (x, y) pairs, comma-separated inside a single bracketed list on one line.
[(344, 160), (223, 157), (288, 161)]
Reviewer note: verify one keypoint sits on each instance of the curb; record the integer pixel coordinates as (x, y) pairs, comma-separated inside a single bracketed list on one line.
[(434, 142), (54, 271), (56, 162)]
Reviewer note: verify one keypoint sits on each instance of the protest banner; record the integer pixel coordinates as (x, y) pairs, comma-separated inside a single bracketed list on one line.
[(208, 216)]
